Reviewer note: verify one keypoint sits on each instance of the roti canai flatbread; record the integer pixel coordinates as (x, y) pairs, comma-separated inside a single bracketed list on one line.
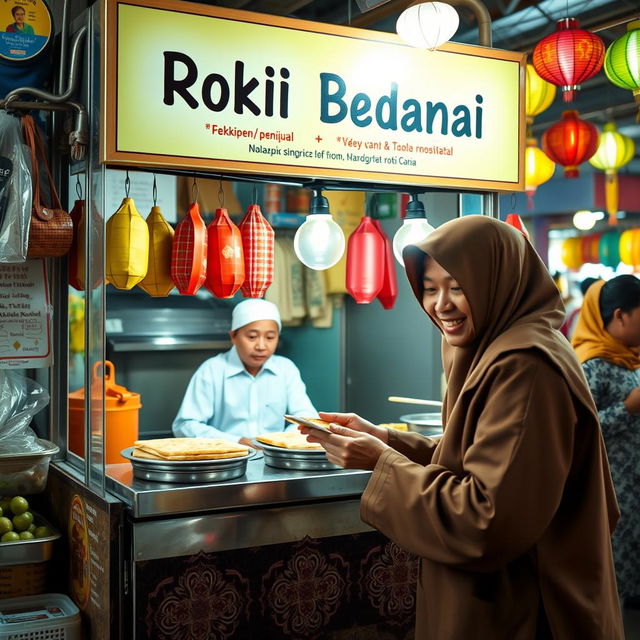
[(300, 420), (149, 455), (288, 440), (192, 448)]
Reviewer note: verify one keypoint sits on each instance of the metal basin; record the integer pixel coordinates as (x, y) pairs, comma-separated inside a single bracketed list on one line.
[(429, 424)]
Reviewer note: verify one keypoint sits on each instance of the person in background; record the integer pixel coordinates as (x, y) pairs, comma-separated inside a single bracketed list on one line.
[(245, 391), (606, 340), (573, 311), (19, 26), (511, 511)]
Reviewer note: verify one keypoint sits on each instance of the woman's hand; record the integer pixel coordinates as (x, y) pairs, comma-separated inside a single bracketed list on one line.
[(356, 446)]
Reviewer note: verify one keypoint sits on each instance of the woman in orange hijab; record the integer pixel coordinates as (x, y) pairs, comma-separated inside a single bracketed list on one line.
[(606, 340), (511, 510)]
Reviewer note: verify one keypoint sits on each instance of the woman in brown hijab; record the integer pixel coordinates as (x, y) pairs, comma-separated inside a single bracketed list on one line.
[(512, 509)]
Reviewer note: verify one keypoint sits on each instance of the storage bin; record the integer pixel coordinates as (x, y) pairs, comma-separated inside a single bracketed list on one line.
[(50, 616)]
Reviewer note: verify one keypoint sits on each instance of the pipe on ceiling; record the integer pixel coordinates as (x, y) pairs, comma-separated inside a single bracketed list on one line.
[(480, 12)]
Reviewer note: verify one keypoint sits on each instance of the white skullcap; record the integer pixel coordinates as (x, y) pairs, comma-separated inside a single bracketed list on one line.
[(254, 309)]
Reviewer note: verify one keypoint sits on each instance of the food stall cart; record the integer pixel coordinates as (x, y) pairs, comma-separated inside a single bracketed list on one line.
[(176, 87)]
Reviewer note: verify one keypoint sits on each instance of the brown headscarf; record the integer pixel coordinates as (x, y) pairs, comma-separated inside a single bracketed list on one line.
[(514, 303), (592, 340)]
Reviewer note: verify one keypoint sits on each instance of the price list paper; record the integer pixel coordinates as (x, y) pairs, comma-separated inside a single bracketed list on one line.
[(25, 316)]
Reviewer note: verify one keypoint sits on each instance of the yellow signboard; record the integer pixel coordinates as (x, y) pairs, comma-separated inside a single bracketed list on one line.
[(198, 87)]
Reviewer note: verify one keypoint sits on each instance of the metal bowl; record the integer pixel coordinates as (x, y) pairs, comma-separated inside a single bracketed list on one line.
[(187, 471), (29, 551), (299, 459), (428, 424), (24, 473)]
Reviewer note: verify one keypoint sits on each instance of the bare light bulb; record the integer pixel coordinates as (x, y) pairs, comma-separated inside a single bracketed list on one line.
[(414, 228), (319, 242)]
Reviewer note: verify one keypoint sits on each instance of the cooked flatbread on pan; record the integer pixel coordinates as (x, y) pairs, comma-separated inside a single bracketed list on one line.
[(169, 447), (141, 452), (288, 440)]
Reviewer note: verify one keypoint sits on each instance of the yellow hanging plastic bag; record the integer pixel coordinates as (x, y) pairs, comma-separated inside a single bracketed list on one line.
[(158, 282), (127, 246)]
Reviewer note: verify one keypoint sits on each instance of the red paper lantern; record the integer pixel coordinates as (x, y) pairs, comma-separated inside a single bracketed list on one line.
[(389, 291), (257, 244), (225, 257), (514, 220), (570, 142), (568, 57), (365, 262), (189, 252)]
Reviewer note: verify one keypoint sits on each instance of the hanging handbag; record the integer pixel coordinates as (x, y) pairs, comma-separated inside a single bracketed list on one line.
[(51, 230)]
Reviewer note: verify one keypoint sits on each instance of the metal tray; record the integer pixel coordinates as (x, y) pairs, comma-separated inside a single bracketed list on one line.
[(29, 551), (300, 459), (187, 471)]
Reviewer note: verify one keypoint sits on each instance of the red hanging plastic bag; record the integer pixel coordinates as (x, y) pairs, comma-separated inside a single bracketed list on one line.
[(514, 220), (365, 262), (257, 243), (189, 252), (225, 256), (389, 291), (75, 262)]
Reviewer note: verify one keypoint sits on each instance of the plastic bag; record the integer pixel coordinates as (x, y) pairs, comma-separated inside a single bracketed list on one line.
[(15, 191), (20, 399)]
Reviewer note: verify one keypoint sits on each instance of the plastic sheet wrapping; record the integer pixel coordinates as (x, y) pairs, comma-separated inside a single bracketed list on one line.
[(16, 191), (20, 399)]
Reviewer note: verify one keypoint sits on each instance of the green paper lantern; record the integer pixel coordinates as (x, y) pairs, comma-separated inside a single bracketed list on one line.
[(622, 60)]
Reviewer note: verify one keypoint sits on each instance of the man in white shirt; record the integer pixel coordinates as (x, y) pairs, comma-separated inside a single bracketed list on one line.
[(247, 390)]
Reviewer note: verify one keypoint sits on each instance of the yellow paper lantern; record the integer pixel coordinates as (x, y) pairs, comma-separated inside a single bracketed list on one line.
[(158, 283), (571, 253), (127, 246), (630, 247), (538, 168), (539, 94), (614, 151)]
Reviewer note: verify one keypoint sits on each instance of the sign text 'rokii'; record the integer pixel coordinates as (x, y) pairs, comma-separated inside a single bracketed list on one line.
[(194, 86)]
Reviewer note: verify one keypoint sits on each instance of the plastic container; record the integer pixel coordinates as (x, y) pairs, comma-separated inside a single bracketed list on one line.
[(26, 473), (121, 408), (50, 616)]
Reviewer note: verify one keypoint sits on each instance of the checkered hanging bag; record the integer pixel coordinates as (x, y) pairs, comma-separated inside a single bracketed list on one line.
[(257, 242), (189, 252)]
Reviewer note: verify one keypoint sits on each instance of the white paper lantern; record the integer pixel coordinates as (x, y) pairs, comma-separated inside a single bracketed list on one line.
[(427, 25)]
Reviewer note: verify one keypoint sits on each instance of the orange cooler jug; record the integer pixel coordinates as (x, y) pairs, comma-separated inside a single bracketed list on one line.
[(121, 414)]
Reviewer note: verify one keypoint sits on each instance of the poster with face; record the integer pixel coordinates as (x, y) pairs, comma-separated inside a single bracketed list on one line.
[(25, 28)]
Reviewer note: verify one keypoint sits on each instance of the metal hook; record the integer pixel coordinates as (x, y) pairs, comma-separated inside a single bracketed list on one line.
[(155, 191), (127, 185), (513, 201), (194, 190), (78, 186), (221, 195)]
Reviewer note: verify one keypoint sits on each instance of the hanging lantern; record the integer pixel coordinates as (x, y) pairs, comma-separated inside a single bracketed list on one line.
[(75, 262), (609, 249), (538, 168), (427, 25), (622, 61), (614, 151), (570, 253), (539, 94), (515, 221), (257, 244), (570, 142), (225, 260), (630, 247), (389, 291), (365, 262), (189, 252), (126, 246), (158, 283), (568, 57)]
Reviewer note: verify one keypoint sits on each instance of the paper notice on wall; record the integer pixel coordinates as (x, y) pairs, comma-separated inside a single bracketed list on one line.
[(25, 316)]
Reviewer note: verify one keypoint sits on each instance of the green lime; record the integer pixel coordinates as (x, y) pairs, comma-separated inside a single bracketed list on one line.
[(5, 525), (18, 505), (23, 521), (42, 532), (4, 503), (1, 510), (26, 535), (10, 536), (32, 527)]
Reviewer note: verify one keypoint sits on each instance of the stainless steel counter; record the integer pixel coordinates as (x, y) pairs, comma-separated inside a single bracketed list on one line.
[(260, 486)]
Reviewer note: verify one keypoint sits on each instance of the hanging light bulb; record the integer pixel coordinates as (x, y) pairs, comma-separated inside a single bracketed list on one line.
[(319, 242), (427, 25), (414, 228)]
